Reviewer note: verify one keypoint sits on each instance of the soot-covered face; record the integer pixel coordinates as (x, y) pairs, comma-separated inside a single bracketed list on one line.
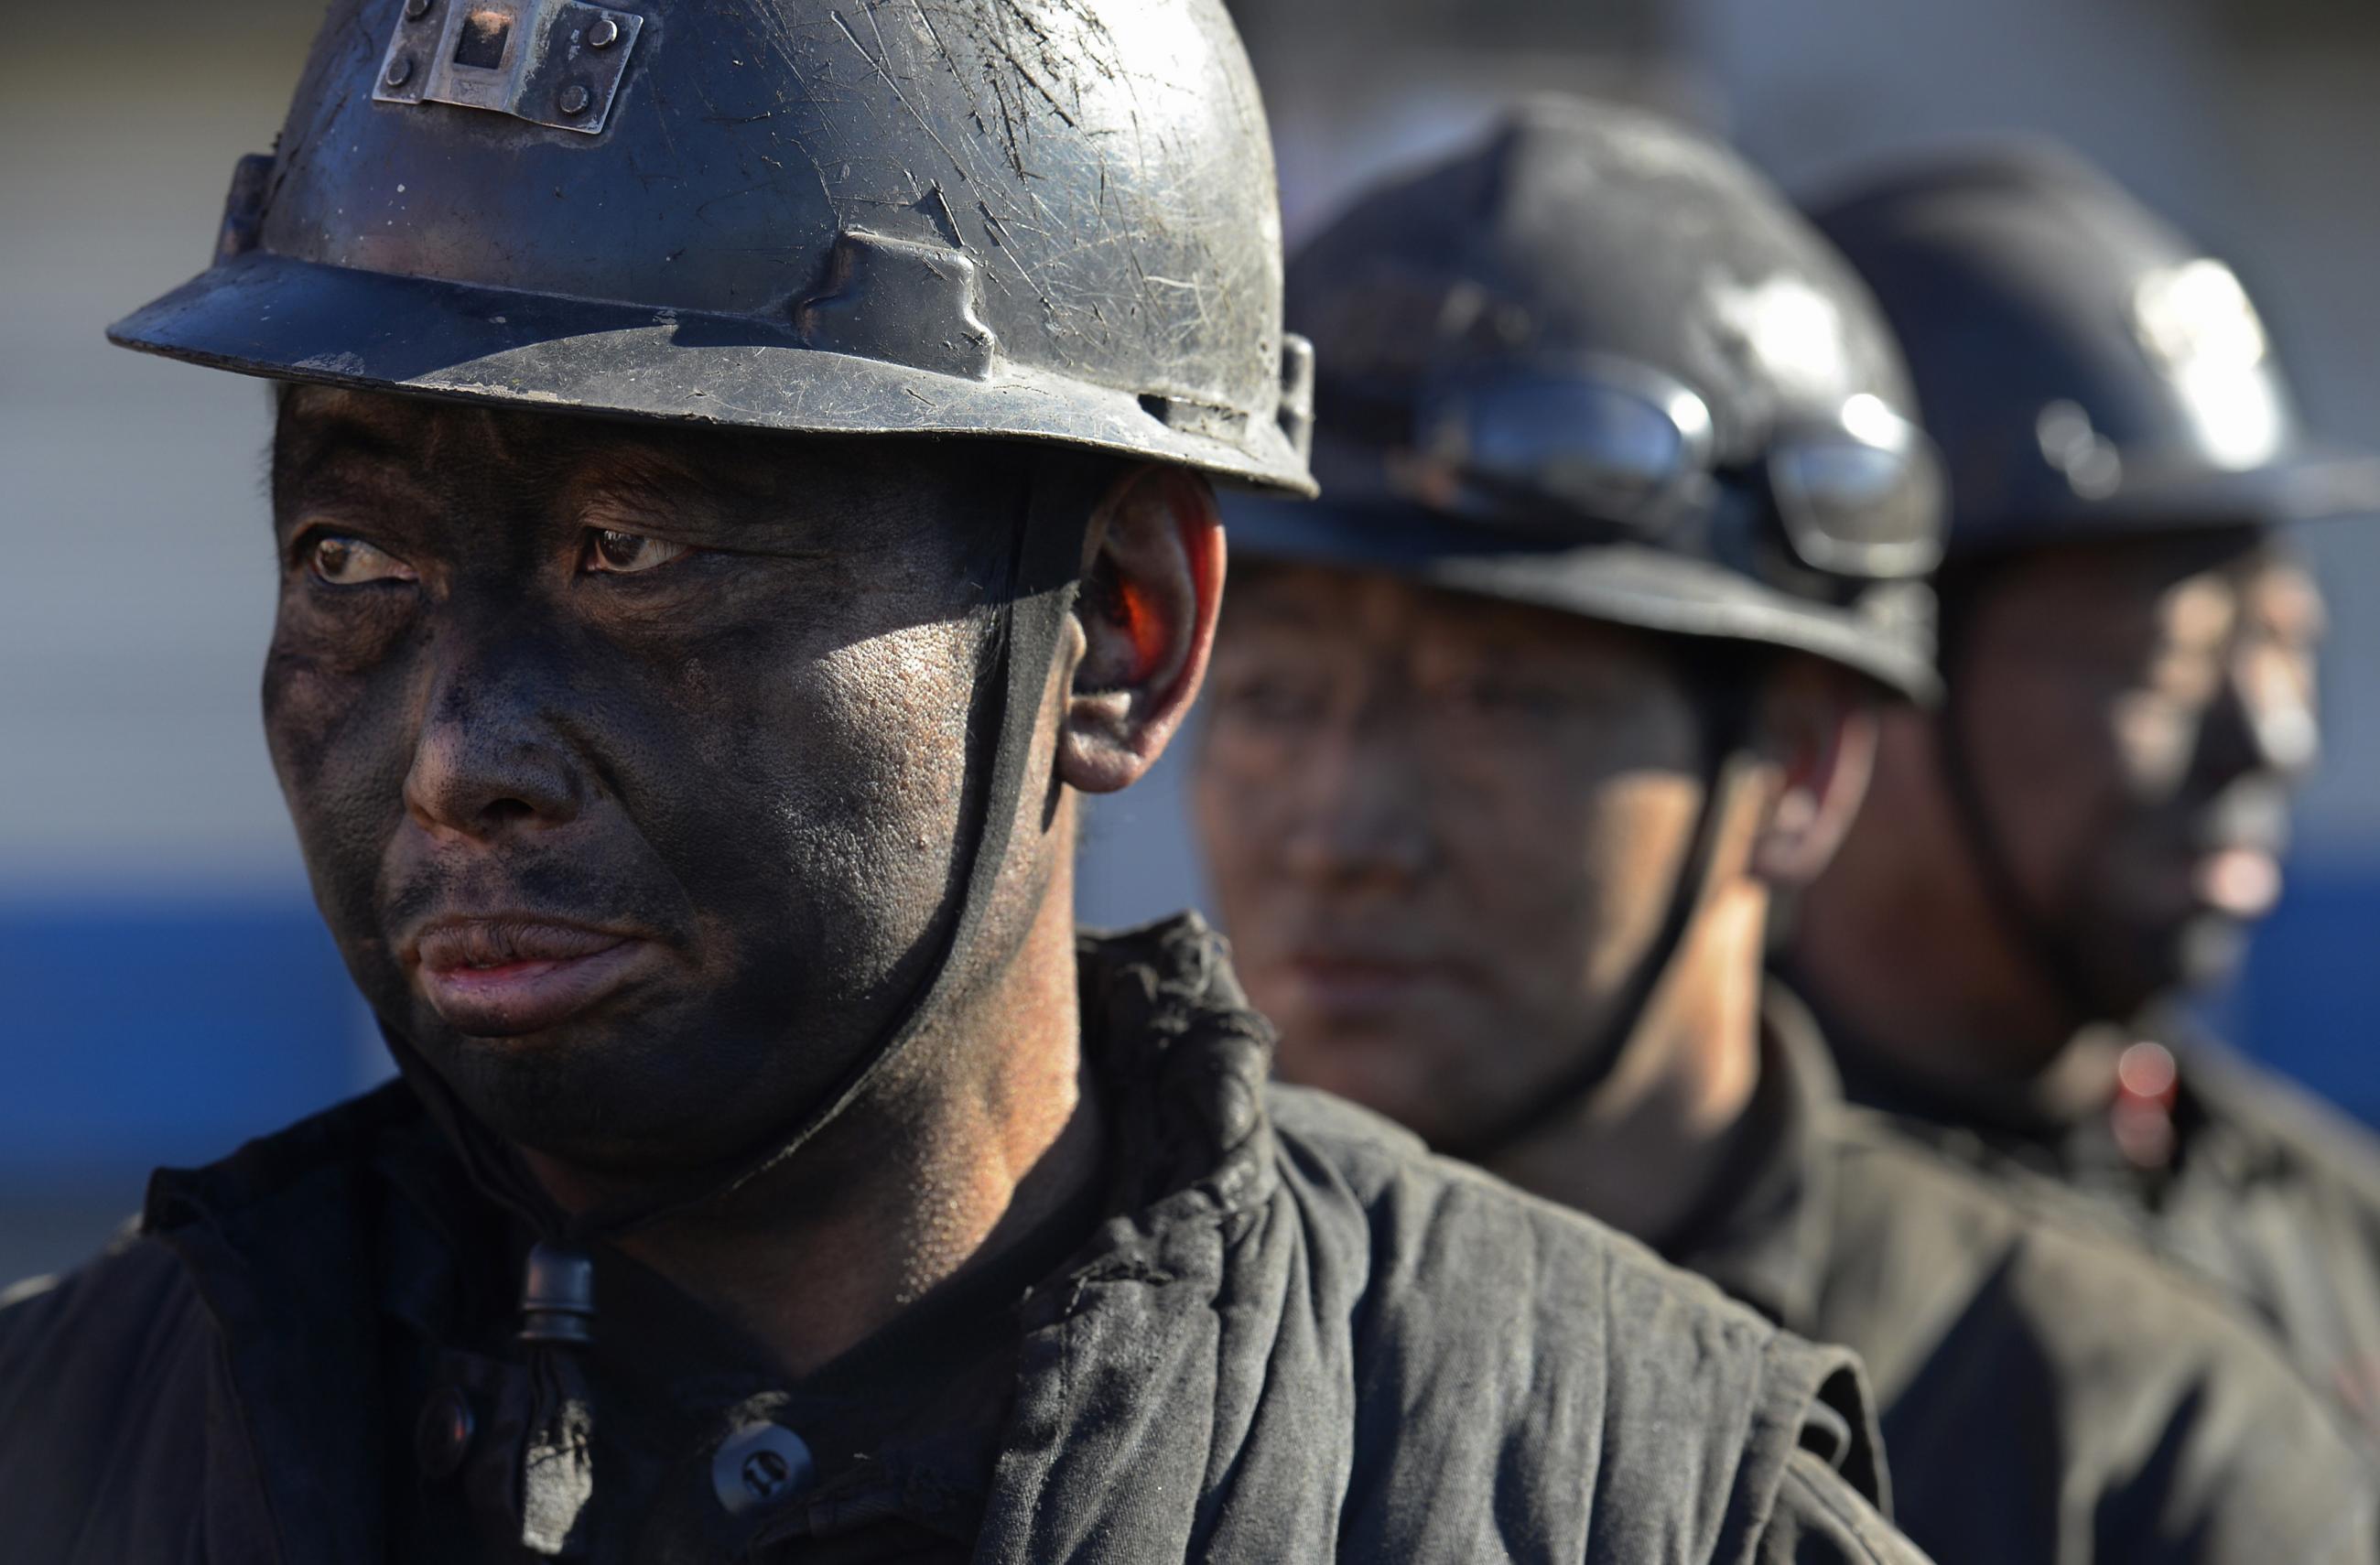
[(1443, 832), (2137, 715), (628, 764)]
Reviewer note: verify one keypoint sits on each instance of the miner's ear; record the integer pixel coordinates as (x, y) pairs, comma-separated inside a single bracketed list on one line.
[(1152, 585), (1818, 732)]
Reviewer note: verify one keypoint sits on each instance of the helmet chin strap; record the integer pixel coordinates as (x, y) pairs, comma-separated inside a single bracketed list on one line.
[(1038, 600), (557, 1304), (2019, 917), (1726, 707)]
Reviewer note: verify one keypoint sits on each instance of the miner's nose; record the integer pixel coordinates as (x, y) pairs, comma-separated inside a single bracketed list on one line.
[(490, 758), (1364, 816), (2262, 721)]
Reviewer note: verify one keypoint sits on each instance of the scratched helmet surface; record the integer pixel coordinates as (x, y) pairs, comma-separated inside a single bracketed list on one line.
[(1596, 363), (2090, 371), (1044, 220)]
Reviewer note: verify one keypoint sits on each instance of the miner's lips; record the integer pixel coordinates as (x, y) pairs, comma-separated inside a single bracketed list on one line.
[(508, 975), (2235, 849), (1340, 976)]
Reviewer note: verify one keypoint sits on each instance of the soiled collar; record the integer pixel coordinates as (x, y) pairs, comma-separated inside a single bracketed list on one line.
[(2078, 1146), (302, 1241)]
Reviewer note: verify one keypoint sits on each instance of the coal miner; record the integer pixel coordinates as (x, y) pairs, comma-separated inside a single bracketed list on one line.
[(2093, 819), (1516, 736), (743, 472)]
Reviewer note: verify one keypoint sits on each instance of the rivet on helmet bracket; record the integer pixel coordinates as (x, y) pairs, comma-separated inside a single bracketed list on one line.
[(555, 62), (900, 302)]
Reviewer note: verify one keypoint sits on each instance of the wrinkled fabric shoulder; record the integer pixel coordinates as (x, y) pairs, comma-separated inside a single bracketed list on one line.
[(126, 1387), (118, 1439), (1998, 1328), (2278, 1201), (1303, 1337), (1504, 1347), (2285, 1120)]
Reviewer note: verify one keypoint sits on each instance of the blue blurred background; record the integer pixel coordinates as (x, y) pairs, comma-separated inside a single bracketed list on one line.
[(164, 988)]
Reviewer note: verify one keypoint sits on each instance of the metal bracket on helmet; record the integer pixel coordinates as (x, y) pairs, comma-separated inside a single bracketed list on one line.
[(555, 63), (900, 302)]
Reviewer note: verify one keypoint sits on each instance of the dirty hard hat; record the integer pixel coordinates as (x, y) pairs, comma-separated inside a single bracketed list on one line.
[(1044, 220), (1597, 364), (2088, 372)]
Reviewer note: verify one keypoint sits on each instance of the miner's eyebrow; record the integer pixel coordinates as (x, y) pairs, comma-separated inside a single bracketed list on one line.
[(1254, 607), (339, 478), (314, 442), (336, 462), (733, 502), (666, 475), (336, 489), (658, 483)]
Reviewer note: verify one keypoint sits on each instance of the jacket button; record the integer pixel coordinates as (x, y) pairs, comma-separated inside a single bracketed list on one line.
[(443, 1434), (760, 1464)]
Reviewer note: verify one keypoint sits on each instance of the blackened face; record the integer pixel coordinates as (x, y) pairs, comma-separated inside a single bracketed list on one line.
[(2137, 715), (1443, 832), (628, 764)]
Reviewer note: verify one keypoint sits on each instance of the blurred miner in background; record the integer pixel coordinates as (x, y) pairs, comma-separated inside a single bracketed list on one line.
[(2094, 817), (744, 472), (1516, 735)]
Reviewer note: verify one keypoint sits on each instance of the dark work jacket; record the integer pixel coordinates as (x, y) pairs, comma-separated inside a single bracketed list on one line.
[(2269, 1193), (1300, 1338), (2050, 1393)]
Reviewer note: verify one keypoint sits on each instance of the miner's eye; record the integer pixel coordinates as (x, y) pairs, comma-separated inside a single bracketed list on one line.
[(350, 561), (610, 552), (1495, 696), (1271, 696)]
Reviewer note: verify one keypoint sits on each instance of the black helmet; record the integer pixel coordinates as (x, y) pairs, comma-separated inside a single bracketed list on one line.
[(2088, 372), (1598, 364), (781, 214)]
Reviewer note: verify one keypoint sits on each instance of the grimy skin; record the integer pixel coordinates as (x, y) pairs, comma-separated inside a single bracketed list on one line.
[(1444, 832), (2137, 714), (541, 682)]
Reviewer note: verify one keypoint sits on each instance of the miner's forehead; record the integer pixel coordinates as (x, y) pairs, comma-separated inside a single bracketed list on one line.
[(2141, 568), (324, 430), (317, 421), (296, 400), (321, 426), (1353, 604), (311, 422)]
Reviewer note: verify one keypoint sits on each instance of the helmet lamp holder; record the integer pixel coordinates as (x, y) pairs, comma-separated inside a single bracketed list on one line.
[(555, 63)]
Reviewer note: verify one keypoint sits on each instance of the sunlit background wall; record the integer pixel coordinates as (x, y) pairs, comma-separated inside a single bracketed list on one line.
[(165, 990)]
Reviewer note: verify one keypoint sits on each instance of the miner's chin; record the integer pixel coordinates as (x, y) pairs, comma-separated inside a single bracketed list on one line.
[(2208, 950), (622, 1096), (2171, 958)]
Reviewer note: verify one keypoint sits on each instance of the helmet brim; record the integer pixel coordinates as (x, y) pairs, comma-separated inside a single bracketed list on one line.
[(2311, 485), (267, 315), (1629, 584)]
